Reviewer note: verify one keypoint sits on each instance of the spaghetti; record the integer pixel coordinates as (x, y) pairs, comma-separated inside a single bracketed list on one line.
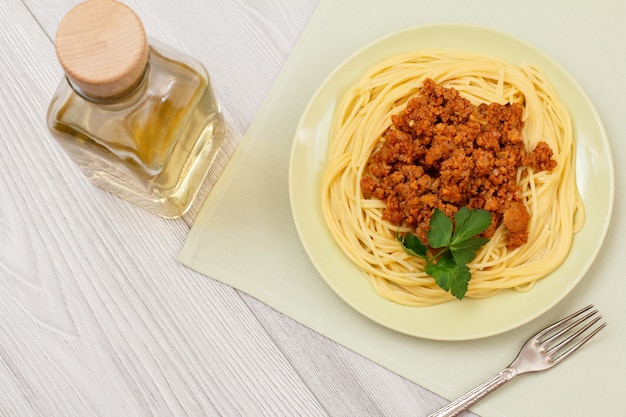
[(551, 197)]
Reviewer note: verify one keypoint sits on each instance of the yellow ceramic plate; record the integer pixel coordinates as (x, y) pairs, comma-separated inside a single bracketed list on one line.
[(468, 319)]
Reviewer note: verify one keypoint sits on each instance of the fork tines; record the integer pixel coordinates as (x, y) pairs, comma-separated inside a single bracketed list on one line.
[(567, 335)]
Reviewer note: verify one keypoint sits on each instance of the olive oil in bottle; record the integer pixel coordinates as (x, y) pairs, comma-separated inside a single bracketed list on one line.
[(138, 118)]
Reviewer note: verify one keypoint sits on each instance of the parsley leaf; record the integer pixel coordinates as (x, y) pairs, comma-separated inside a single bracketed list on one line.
[(463, 252), (412, 245), (440, 231), (450, 275), (470, 223), (457, 245)]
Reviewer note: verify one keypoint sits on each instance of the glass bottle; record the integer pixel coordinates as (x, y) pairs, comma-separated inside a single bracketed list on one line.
[(138, 118)]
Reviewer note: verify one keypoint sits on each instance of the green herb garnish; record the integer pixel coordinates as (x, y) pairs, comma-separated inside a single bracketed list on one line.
[(452, 247)]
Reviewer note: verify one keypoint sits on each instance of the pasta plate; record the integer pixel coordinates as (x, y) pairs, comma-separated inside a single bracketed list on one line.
[(470, 318)]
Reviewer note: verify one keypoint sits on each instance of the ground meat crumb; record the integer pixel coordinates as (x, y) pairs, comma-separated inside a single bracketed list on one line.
[(443, 152)]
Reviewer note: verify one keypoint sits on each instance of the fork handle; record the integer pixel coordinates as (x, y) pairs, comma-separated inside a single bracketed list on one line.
[(471, 397)]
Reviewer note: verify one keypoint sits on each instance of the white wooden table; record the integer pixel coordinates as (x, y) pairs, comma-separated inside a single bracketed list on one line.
[(96, 316)]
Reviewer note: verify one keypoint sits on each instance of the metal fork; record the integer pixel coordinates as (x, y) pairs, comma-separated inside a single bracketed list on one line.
[(547, 348)]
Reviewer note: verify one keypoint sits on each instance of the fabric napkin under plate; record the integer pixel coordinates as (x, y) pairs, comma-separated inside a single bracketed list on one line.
[(251, 199)]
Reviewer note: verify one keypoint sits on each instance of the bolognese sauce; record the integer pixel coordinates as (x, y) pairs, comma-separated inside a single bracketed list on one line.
[(443, 152)]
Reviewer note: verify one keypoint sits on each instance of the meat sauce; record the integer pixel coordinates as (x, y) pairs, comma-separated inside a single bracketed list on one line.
[(443, 152)]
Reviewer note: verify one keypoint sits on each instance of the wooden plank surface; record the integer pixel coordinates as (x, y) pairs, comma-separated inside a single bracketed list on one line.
[(97, 318)]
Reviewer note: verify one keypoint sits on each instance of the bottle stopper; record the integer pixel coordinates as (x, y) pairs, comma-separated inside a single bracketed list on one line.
[(103, 48)]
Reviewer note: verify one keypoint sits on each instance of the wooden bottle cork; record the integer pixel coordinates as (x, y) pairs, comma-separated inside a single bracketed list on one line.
[(102, 46)]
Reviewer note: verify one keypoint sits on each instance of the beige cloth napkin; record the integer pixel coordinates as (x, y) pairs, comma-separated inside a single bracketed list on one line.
[(245, 236)]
